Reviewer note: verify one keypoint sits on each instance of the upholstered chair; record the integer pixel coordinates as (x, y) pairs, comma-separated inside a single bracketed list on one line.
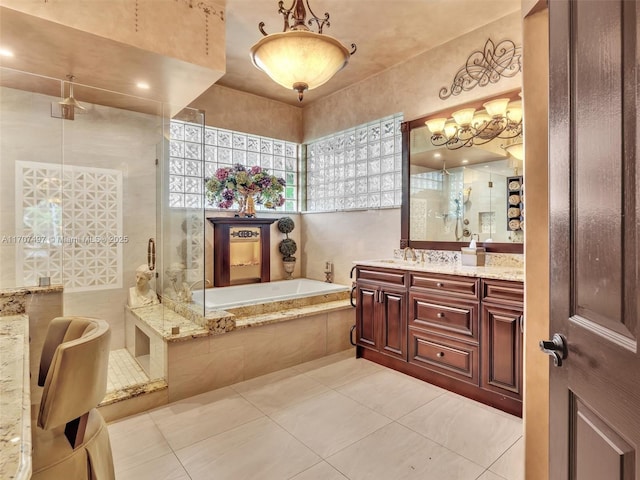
[(70, 437)]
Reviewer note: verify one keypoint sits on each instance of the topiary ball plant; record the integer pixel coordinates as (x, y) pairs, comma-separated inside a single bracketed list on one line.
[(287, 246), (286, 225)]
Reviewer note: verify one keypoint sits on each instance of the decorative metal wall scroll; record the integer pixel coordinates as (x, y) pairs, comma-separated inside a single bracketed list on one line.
[(486, 66)]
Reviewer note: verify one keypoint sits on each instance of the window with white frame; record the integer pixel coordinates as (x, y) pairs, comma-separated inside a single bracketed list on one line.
[(357, 168), (196, 152)]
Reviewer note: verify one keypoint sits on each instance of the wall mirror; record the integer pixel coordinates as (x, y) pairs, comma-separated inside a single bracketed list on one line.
[(452, 195)]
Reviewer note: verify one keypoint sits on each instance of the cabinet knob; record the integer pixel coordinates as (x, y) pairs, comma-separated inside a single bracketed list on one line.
[(440, 315), (439, 284), (440, 354)]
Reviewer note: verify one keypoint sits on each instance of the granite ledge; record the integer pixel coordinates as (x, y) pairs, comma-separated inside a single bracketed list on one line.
[(133, 391), (9, 292), (515, 274), (15, 400), (162, 319), (291, 314)]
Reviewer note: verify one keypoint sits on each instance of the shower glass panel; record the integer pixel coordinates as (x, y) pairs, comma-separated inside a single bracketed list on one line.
[(82, 193), (181, 225)]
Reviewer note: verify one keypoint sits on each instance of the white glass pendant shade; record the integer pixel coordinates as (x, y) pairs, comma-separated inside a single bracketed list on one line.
[(436, 125), (299, 57), (464, 117), (480, 118), (514, 111), (516, 150), (450, 130), (497, 107)]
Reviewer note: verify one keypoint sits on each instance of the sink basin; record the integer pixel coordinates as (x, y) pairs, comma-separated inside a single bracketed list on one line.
[(396, 261)]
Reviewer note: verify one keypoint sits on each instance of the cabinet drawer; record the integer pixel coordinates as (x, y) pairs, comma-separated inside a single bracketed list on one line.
[(450, 285), (455, 317), (444, 355), (387, 276), (502, 290)]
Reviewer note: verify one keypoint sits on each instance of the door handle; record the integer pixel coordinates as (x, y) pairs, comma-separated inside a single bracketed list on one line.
[(151, 254), (556, 348), (351, 272), (351, 299)]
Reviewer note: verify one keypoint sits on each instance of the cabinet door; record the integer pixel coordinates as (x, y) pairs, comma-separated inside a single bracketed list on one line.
[(366, 298), (502, 350), (393, 322)]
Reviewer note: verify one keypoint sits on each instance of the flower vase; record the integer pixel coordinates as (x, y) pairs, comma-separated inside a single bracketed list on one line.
[(242, 206), (250, 209)]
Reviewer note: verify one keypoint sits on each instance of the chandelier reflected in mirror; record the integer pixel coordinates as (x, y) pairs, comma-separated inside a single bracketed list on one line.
[(500, 118), (297, 57)]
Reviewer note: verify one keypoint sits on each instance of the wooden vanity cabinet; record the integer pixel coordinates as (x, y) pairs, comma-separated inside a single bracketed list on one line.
[(461, 333), (381, 316)]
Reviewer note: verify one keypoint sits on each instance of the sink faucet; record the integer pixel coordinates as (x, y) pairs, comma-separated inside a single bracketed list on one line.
[(409, 250)]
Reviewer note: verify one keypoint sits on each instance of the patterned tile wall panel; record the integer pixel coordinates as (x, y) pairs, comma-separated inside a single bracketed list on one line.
[(69, 219)]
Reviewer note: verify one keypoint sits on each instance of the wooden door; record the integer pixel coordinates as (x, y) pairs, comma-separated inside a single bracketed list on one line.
[(594, 424)]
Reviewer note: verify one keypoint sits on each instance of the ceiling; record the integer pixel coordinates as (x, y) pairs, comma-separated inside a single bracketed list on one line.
[(386, 33)]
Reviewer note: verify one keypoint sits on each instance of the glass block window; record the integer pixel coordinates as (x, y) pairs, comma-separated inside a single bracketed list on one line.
[(356, 168), (195, 152), (431, 180)]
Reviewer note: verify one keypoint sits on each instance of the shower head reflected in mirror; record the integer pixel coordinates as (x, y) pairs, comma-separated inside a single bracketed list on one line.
[(466, 195), (444, 170)]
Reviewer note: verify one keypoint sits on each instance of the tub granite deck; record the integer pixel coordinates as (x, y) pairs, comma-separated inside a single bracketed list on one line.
[(212, 349)]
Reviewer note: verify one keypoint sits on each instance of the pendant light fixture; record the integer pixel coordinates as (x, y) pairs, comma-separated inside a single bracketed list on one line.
[(297, 57)]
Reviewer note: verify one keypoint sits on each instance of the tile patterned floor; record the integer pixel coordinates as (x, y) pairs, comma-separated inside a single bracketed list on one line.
[(336, 418), (123, 371)]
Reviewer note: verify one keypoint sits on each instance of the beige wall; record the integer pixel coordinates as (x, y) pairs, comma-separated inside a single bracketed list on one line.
[(343, 237), (245, 112), (411, 87), (166, 27), (536, 365)]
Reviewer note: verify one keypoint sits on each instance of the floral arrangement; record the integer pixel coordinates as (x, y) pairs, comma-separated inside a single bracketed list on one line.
[(234, 184)]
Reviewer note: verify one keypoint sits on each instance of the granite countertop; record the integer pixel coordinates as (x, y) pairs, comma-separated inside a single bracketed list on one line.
[(13, 301), (163, 319), (9, 292), (512, 273), (15, 400)]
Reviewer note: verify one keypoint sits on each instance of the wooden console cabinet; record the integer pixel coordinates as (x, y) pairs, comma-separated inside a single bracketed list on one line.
[(241, 250), (461, 333)]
